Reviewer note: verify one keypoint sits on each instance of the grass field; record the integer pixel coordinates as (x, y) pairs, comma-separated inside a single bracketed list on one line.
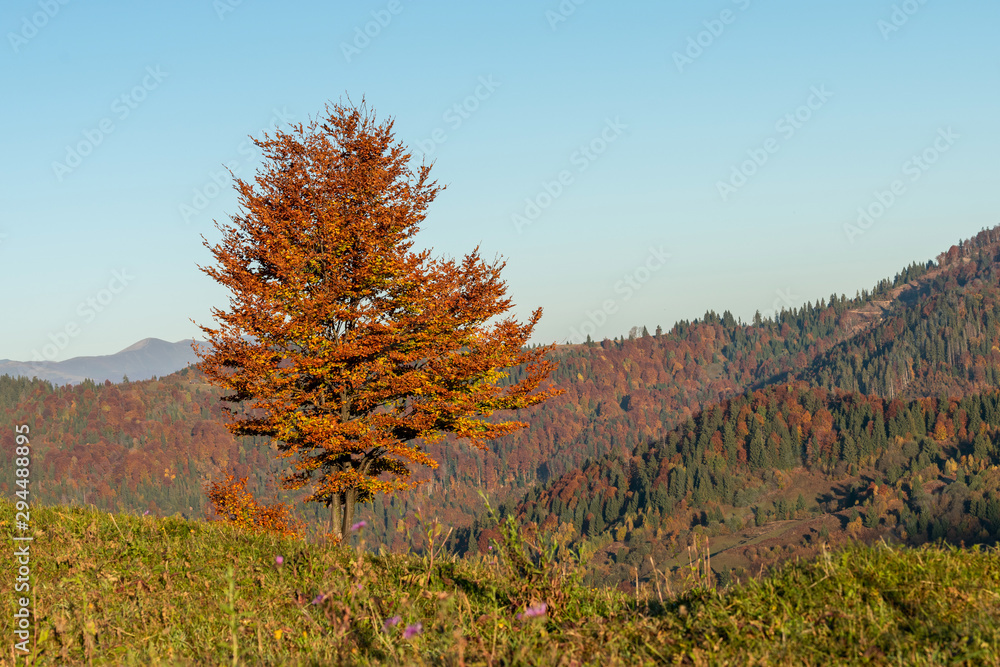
[(128, 590)]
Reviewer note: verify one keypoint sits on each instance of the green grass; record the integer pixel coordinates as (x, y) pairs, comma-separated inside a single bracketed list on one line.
[(126, 590)]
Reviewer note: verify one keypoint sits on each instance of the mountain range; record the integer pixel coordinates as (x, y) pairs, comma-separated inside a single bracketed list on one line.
[(150, 357)]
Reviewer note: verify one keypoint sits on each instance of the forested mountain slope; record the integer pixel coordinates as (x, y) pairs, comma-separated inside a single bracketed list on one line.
[(130, 446), (941, 334), (923, 469), (625, 393), (151, 445), (935, 340)]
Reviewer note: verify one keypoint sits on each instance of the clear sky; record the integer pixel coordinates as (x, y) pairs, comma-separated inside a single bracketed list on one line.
[(636, 163)]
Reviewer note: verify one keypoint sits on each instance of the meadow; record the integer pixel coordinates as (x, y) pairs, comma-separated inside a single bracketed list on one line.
[(138, 590)]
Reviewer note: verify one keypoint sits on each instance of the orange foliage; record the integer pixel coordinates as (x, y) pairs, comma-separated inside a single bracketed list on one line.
[(237, 506), (942, 428), (344, 346)]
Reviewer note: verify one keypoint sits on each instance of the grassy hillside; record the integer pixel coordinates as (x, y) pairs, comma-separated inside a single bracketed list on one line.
[(128, 590)]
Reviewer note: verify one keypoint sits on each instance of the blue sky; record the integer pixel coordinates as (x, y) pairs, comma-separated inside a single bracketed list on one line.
[(636, 163)]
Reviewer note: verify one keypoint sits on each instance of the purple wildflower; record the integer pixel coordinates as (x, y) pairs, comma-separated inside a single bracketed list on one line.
[(145, 513), (534, 610), (412, 630), (319, 598), (279, 560), (390, 622), (359, 525)]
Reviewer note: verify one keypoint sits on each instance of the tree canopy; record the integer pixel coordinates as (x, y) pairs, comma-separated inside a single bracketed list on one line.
[(341, 343)]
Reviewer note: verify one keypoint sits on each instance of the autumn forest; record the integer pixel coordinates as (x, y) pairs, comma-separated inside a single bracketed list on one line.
[(850, 418)]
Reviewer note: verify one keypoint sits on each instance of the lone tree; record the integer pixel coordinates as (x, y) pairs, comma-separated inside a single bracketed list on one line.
[(343, 345)]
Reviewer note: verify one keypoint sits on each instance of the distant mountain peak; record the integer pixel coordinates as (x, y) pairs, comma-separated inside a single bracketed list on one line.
[(142, 360), (145, 342)]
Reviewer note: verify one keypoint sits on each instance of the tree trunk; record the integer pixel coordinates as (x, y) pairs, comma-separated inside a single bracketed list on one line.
[(347, 516), (342, 513), (335, 505), (342, 506)]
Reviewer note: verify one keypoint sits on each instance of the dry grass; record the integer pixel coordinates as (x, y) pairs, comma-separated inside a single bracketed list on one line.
[(127, 590)]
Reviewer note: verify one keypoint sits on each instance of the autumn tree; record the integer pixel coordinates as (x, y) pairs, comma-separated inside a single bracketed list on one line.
[(349, 349)]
